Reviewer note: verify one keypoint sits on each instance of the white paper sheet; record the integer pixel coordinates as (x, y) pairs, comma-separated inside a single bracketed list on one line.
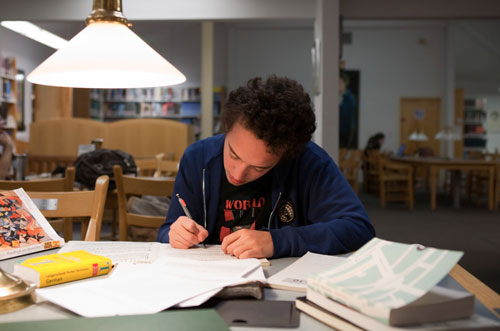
[(117, 251), (148, 288), (294, 277), (256, 275)]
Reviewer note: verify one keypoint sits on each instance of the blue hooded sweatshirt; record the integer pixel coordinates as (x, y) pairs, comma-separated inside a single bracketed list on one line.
[(319, 211)]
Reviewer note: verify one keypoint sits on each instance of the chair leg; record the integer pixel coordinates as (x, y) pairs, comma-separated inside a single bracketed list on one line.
[(68, 229), (411, 193), (83, 229), (382, 194)]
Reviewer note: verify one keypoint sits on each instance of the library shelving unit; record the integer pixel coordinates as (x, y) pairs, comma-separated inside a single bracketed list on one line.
[(159, 102), (474, 125), (8, 94)]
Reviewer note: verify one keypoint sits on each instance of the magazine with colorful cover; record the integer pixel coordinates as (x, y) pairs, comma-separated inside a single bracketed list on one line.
[(23, 228)]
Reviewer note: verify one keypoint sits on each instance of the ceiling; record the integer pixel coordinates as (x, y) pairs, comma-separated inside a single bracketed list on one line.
[(476, 42)]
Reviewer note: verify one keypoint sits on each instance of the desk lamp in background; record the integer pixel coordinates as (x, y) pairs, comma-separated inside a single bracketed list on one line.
[(106, 54), (447, 135), (417, 136)]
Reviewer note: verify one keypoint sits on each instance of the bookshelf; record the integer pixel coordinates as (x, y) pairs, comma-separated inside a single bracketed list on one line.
[(474, 125), (8, 94), (183, 105)]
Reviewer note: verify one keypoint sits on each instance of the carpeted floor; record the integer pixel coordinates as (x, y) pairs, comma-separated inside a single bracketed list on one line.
[(471, 229)]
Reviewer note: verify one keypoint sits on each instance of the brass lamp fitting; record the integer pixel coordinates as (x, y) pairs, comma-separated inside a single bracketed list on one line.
[(107, 11)]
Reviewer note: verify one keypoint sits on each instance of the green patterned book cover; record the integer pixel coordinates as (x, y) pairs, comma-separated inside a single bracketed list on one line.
[(384, 275)]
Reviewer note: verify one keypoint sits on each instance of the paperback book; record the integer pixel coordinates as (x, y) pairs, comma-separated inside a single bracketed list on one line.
[(342, 317), (23, 228), (60, 268), (388, 281)]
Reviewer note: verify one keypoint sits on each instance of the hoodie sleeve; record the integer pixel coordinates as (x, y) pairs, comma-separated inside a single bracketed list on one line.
[(186, 185), (335, 220)]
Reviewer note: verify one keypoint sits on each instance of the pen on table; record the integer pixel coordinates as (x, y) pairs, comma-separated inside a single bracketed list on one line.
[(186, 211)]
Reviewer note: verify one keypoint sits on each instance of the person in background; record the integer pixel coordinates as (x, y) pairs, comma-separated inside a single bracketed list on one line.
[(375, 142), (347, 113), (7, 147), (263, 189)]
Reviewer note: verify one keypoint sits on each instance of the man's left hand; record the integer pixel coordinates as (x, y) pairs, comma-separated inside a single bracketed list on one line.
[(246, 244)]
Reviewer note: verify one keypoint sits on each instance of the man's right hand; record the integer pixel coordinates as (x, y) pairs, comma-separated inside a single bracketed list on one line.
[(185, 233)]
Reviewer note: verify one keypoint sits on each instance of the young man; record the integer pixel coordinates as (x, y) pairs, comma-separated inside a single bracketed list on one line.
[(263, 189)]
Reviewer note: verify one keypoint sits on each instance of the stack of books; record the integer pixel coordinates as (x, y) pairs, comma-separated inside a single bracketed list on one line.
[(391, 286)]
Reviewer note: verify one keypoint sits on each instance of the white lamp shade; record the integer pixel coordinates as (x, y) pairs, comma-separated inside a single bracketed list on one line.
[(418, 136), (106, 55), (446, 134)]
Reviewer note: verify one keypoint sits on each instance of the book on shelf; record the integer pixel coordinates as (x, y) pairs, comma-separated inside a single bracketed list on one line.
[(23, 228), (60, 268), (390, 282)]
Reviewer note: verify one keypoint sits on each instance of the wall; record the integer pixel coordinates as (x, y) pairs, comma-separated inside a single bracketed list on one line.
[(264, 49), (29, 54), (395, 59)]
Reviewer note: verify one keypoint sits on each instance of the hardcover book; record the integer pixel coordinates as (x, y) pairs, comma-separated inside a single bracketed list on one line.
[(23, 228), (59, 268)]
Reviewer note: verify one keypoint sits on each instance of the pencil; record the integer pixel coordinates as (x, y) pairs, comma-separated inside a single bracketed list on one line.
[(186, 211)]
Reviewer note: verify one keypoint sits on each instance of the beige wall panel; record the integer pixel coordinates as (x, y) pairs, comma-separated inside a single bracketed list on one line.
[(148, 137), (62, 137)]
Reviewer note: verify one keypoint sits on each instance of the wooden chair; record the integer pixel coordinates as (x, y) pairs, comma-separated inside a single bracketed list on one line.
[(146, 166), (396, 182), (497, 186), (38, 164), (48, 185), (349, 164), (477, 180), (134, 186), (79, 204), (156, 166), (371, 183), (166, 168), (65, 183)]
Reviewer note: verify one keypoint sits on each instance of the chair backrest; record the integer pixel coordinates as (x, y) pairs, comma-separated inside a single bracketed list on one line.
[(38, 164), (166, 168), (146, 166), (370, 161), (128, 186), (43, 185), (79, 204)]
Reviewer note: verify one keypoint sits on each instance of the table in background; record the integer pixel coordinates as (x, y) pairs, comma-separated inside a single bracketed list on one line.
[(456, 166)]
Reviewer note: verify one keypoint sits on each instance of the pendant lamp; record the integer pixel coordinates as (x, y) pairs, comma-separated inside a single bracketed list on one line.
[(106, 54)]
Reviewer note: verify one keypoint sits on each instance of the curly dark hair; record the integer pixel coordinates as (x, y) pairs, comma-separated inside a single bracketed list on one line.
[(277, 110)]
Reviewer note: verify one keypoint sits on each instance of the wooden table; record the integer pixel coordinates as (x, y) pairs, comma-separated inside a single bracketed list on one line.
[(457, 278), (456, 166)]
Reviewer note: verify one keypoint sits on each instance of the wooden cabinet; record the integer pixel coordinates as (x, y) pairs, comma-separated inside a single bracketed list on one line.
[(52, 102)]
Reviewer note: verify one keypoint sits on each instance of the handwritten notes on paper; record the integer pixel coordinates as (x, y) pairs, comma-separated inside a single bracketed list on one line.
[(151, 277)]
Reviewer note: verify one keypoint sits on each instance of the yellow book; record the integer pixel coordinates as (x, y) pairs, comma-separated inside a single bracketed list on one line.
[(59, 268)]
